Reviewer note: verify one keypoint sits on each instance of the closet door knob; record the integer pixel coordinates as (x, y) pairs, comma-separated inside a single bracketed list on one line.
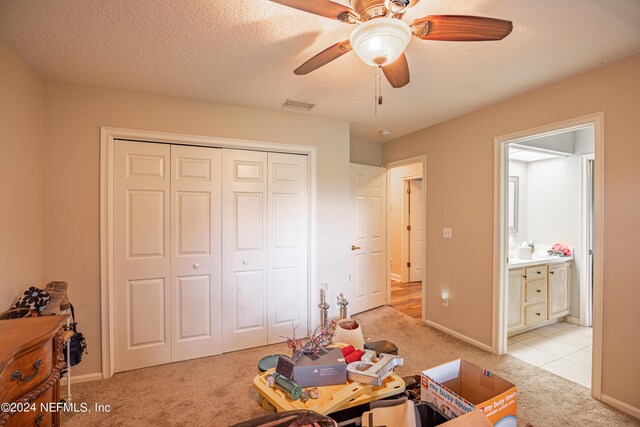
[(196, 266)]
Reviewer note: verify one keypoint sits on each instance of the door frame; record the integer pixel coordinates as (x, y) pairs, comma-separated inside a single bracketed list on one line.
[(108, 137), (586, 289), (500, 236), (390, 165)]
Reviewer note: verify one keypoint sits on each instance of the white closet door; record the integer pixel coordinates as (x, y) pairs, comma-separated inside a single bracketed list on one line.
[(244, 246), (196, 226), (141, 232), (287, 250), (369, 238)]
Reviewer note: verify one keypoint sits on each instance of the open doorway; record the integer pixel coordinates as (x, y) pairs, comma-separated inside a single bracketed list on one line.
[(406, 232), (547, 230)]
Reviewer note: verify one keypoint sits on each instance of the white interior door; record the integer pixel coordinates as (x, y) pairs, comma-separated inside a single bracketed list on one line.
[(244, 245), (196, 293), (369, 237), (141, 283), (287, 241), (416, 233)]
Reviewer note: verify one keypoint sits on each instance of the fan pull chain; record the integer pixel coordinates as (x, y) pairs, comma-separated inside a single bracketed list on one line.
[(378, 89)]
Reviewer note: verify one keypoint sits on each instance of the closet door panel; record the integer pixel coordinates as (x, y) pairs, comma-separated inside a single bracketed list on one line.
[(141, 236), (196, 223), (244, 215), (287, 245)]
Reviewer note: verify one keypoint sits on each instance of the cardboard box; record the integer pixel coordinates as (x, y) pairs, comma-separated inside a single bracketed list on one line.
[(459, 387), (326, 368)]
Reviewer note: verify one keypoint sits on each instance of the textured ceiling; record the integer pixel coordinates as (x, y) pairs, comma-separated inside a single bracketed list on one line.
[(244, 52)]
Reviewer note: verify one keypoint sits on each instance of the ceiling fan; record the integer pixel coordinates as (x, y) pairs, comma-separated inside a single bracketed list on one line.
[(381, 36)]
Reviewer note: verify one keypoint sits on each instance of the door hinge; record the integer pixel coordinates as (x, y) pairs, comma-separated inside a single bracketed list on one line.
[(408, 227), (409, 190), (408, 264)]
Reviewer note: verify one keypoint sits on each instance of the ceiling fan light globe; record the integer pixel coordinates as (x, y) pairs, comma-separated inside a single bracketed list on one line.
[(380, 41)]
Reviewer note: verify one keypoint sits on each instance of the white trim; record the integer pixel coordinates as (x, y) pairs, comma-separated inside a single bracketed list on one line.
[(586, 293), (573, 320), (395, 277), (108, 135), (499, 312), (82, 378), (425, 182), (618, 404), (458, 335)]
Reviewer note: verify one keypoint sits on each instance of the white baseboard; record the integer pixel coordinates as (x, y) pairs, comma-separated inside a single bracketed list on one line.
[(624, 407), (459, 336), (396, 277), (573, 320), (76, 379)]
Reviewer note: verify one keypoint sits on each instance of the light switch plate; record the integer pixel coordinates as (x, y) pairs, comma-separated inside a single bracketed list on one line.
[(447, 233)]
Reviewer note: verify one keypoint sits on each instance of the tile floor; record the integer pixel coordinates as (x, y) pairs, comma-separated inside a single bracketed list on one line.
[(562, 348)]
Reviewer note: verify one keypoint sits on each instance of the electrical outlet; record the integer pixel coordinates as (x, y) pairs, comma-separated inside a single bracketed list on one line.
[(447, 233), (445, 299)]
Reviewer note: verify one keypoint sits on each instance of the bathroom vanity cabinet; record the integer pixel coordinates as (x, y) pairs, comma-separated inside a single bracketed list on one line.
[(537, 293)]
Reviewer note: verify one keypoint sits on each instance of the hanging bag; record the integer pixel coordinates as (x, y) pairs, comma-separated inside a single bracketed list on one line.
[(76, 344)]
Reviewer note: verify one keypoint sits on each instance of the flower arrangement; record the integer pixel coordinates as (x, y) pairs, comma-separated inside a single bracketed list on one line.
[(313, 342)]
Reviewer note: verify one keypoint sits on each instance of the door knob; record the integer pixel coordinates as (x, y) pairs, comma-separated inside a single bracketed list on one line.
[(196, 266), (355, 248)]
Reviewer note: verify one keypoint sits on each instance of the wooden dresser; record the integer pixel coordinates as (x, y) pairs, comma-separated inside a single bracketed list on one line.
[(30, 363)]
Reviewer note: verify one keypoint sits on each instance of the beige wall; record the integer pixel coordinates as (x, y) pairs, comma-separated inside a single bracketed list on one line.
[(460, 194), (20, 177), (365, 153), (73, 115), (395, 195)]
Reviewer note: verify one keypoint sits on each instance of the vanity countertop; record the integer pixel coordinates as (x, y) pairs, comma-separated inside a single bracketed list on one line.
[(517, 263)]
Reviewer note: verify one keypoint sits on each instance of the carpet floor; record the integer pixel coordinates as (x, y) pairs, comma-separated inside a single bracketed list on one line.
[(217, 391)]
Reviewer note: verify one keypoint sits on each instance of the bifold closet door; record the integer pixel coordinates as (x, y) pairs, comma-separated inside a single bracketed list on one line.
[(196, 224), (141, 255), (265, 247), (244, 246), (287, 246)]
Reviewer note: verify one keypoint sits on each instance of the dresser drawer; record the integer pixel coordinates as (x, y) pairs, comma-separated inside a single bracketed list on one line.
[(535, 313), (34, 417), (536, 272), (26, 372), (535, 291)]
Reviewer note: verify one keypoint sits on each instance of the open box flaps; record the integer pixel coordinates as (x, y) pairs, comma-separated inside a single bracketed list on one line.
[(459, 387)]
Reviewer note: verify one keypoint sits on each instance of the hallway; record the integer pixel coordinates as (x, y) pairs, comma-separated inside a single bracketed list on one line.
[(407, 298)]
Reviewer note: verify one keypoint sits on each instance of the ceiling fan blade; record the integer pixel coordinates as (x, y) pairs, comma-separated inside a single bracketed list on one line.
[(398, 72), (324, 57), (460, 28), (325, 8)]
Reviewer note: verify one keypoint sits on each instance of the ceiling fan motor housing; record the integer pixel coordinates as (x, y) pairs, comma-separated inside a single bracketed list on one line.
[(368, 9)]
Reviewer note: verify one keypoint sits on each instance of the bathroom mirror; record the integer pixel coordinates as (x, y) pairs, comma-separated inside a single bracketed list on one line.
[(514, 183)]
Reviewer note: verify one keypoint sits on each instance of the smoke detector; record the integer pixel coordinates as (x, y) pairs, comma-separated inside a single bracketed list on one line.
[(384, 132)]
